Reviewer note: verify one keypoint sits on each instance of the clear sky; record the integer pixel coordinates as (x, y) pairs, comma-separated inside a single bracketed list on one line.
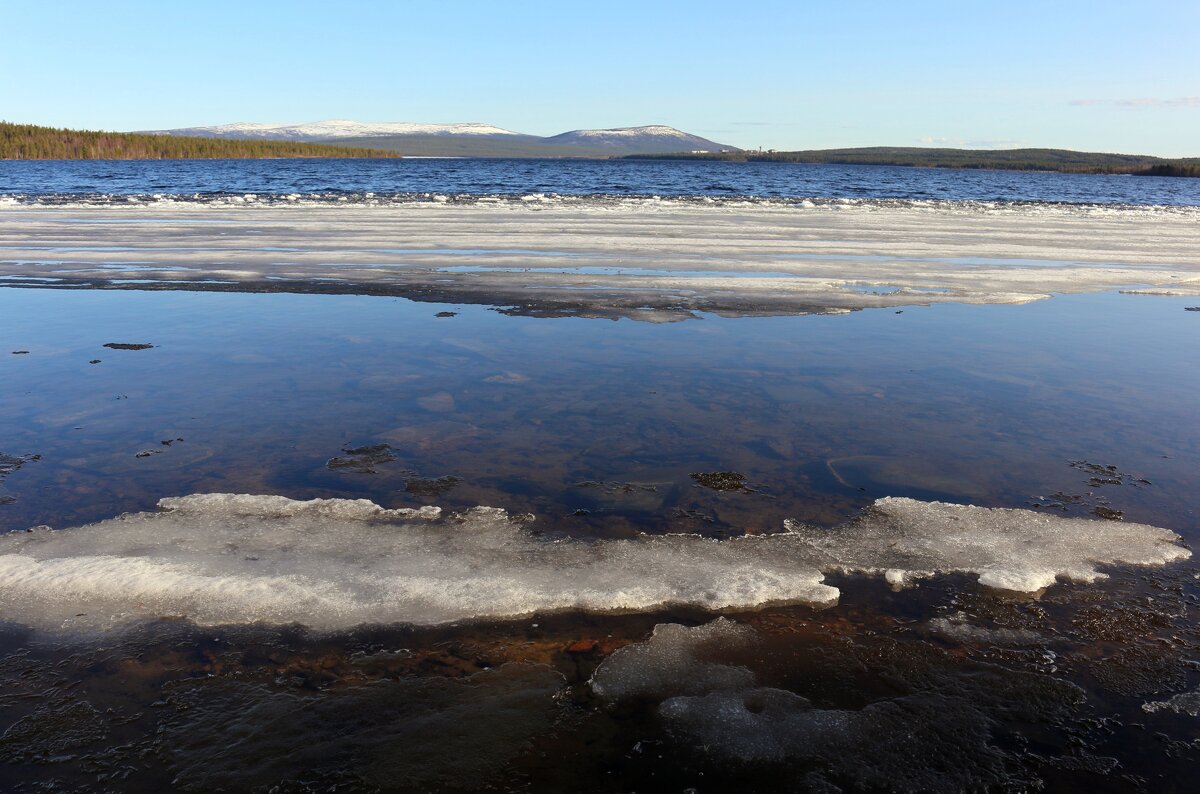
[(1106, 76)]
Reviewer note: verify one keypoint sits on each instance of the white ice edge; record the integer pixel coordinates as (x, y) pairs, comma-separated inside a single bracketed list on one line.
[(332, 564)]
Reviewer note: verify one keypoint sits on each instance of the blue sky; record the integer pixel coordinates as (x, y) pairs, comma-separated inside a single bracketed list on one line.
[(1109, 76)]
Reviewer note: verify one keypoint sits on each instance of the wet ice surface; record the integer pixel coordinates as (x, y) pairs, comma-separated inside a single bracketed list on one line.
[(1001, 406), (657, 261), (221, 559)]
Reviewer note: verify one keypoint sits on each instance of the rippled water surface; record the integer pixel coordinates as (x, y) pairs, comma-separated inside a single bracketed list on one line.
[(351, 179)]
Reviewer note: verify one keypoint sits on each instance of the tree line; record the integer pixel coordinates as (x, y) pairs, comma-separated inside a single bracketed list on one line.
[(1061, 160), (31, 142)]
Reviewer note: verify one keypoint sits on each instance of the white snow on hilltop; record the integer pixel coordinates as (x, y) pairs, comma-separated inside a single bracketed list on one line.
[(471, 138), (335, 128), (630, 132), (649, 139)]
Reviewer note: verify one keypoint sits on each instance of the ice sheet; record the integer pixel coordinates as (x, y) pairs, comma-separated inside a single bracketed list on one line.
[(613, 256), (332, 564)]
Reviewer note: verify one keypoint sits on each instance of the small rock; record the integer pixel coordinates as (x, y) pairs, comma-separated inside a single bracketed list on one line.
[(128, 345), (360, 459), (20, 352), (446, 314), (721, 480), (94, 361)]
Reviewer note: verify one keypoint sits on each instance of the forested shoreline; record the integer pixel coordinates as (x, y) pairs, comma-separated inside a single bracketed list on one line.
[(31, 142), (1060, 160)]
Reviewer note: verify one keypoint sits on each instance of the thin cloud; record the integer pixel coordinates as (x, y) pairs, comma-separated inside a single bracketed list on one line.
[(963, 143), (1142, 102)]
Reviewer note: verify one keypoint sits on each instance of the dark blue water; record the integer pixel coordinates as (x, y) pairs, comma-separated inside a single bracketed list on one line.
[(435, 179)]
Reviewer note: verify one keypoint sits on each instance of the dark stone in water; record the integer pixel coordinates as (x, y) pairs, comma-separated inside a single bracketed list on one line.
[(446, 314), (10, 463), (94, 361), (1101, 511), (362, 460), (7, 500), (127, 346), (1107, 474), (721, 480), (1191, 308), (145, 453), (20, 352), (432, 487)]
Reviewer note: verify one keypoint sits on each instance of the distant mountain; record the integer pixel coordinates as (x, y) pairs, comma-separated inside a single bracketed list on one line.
[(654, 139), (333, 129), (468, 140)]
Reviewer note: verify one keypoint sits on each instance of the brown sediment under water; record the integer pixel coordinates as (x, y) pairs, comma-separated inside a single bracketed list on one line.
[(1082, 406)]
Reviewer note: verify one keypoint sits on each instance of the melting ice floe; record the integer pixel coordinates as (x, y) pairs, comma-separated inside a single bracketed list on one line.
[(333, 563)]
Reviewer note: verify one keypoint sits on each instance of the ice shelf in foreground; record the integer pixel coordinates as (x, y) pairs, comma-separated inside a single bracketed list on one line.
[(331, 563)]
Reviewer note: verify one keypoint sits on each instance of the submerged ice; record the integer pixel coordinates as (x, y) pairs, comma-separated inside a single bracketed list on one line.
[(933, 728), (330, 563)]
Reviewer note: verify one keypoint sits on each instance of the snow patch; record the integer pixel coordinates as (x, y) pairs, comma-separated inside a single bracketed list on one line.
[(618, 132)]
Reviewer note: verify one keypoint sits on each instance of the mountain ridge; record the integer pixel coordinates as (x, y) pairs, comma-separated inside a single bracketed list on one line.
[(329, 129), (469, 139)]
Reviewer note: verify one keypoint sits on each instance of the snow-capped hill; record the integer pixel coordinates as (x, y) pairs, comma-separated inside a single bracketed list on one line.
[(333, 129), (471, 139), (651, 139), (650, 129)]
